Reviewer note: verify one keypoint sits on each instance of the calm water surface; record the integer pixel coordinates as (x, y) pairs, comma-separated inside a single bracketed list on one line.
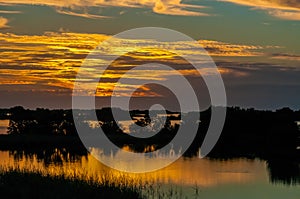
[(3, 126), (239, 178)]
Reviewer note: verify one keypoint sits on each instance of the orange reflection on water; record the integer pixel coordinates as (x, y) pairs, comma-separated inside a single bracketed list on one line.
[(3, 126), (185, 171)]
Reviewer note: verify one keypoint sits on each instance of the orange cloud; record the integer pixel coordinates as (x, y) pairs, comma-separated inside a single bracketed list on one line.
[(3, 22), (175, 7), (50, 62), (283, 9)]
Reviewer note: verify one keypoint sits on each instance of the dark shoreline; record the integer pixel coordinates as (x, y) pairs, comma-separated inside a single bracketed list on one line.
[(246, 132), (222, 150), (16, 183)]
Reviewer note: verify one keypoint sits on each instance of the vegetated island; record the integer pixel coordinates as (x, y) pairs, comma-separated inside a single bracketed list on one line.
[(246, 132)]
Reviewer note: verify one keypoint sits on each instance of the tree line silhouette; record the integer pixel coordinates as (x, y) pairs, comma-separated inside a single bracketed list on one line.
[(245, 131)]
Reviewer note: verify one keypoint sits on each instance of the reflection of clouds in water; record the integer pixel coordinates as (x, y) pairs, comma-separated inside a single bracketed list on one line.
[(125, 124), (126, 160), (203, 172), (3, 126)]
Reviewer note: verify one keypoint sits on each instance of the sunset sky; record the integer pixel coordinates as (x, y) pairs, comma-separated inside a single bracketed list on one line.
[(254, 43)]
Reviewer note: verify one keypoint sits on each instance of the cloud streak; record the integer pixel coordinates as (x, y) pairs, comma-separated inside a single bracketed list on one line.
[(10, 12), (217, 48), (50, 62), (286, 56), (283, 9), (167, 7), (85, 15)]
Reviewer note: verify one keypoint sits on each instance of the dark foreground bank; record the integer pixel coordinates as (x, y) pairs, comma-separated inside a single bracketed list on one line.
[(26, 184)]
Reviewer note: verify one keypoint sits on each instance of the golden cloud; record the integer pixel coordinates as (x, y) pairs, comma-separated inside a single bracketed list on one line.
[(283, 9), (3, 22), (174, 7), (50, 62)]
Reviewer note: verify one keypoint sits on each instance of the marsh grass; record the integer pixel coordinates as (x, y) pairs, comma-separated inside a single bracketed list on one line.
[(24, 184)]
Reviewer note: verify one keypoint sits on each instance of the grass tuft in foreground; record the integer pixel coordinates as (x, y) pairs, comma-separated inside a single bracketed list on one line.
[(15, 183)]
